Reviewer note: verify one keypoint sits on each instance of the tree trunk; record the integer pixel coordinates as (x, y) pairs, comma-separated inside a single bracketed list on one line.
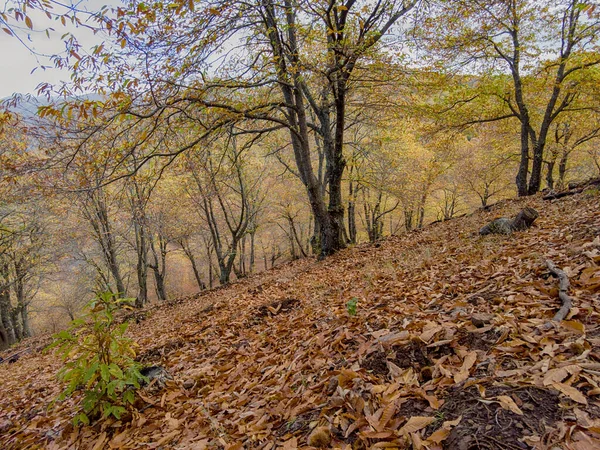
[(535, 181), (5, 316), (159, 281), (16, 323), (330, 219), (25, 320), (523, 171), (252, 251), (408, 219), (3, 337), (159, 267), (351, 212), (562, 169), (99, 218), (142, 264), (550, 174), (21, 301), (190, 256), (421, 209)]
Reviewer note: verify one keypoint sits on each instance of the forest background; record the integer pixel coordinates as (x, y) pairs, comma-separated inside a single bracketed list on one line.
[(199, 142)]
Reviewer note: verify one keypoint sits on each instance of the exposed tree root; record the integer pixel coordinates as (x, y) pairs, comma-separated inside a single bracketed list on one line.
[(563, 289)]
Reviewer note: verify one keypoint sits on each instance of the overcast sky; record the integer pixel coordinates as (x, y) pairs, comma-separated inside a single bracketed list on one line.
[(17, 62)]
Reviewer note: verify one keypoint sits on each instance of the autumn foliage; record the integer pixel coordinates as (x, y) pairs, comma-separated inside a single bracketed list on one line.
[(447, 345)]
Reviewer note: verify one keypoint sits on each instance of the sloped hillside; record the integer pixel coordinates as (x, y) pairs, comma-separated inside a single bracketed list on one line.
[(446, 350)]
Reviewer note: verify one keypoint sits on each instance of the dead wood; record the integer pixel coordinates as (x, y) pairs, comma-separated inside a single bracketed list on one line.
[(504, 225), (573, 189), (14, 357), (563, 289)]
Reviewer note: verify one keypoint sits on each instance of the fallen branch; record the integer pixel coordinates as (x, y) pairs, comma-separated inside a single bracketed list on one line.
[(557, 195), (576, 189), (563, 289), (14, 357)]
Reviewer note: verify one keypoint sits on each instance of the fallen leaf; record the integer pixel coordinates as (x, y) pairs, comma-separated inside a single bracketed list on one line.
[(509, 404), (570, 392), (468, 362), (415, 424)]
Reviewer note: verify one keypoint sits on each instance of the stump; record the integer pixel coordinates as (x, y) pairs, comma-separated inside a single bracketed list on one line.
[(504, 225)]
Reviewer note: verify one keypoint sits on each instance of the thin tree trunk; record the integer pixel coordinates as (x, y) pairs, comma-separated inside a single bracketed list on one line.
[(550, 174), (190, 256), (523, 171), (142, 264), (159, 267), (352, 211), (252, 251), (5, 315), (535, 180), (562, 169)]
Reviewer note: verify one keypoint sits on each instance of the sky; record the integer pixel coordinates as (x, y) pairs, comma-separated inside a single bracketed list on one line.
[(17, 62)]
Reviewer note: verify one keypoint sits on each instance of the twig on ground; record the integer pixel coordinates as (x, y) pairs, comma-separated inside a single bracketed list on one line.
[(563, 294)]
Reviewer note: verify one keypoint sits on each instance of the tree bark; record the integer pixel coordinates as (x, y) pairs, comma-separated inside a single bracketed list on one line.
[(6, 317), (3, 337), (96, 211), (352, 211), (562, 169), (190, 256), (550, 174), (159, 266), (142, 264)]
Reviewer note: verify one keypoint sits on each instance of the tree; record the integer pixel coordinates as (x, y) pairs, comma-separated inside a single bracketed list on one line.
[(528, 59), (300, 56), (569, 134), (488, 158), (23, 231), (227, 196)]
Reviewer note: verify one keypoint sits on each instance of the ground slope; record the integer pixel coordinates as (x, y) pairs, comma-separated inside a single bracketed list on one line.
[(276, 361)]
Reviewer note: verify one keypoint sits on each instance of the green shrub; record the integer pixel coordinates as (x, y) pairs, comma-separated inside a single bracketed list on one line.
[(351, 306), (99, 360)]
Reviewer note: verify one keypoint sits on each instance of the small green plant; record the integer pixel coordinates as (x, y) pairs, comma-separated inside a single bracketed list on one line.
[(99, 360), (351, 306)]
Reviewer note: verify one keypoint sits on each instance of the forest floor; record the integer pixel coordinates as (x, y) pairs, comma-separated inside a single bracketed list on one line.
[(446, 350)]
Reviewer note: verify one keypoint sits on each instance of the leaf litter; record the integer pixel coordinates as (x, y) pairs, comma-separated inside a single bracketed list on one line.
[(446, 351)]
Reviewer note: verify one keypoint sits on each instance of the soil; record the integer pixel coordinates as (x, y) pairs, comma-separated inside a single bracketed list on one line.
[(479, 341), (298, 424), (278, 307), (486, 425), (412, 355)]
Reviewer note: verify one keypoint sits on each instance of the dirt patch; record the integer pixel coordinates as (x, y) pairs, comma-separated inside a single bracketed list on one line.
[(376, 363), (298, 424), (135, 316), (278, 307), (486, 425), (156, 353), (483, 297), (479, 341), (413, 355), (413, 407)]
